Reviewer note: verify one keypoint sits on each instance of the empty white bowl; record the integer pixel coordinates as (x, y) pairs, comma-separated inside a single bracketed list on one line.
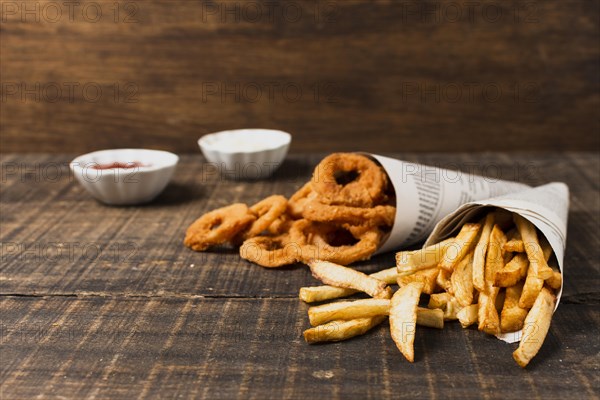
[(246, 153), (146, 174)]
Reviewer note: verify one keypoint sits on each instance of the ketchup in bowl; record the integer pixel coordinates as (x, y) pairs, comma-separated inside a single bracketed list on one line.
[(122, 165)]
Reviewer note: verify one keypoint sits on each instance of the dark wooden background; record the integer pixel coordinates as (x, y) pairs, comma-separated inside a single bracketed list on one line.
[(339, 75)]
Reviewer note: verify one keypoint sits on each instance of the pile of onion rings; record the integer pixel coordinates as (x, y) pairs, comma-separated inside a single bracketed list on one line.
[(341, 215)]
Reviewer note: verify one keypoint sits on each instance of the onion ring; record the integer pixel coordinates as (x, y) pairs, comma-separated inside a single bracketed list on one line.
[(382, 215), (266, 212), (349, 179), (280, 225), (218, 226), (327, 242), (299, 199), (271, 251)]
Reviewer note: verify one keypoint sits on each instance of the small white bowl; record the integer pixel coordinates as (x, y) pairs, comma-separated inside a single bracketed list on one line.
[(246, 153), (124, 186)]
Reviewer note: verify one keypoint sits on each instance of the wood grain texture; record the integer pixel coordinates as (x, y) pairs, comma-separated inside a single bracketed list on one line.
[(339, 75), (57, 240), (253, 348), (102, 302)]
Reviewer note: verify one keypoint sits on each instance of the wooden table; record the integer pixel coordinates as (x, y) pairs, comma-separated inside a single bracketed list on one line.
[(106, 302)]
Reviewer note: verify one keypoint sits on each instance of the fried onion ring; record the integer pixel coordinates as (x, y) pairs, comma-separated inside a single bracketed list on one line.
[(382, 215), (266, 212), (280, 225), (341, 245), (271, 251), (349, 179), (299, 199), (218, 226)]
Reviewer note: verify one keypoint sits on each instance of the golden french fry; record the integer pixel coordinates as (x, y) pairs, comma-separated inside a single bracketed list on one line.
[(533, 284), (488, 318), (468, 315), (439, 300), (388, 275), (367, 308), (512, 316), (443, 279), (535, 328), (403, 318), (481, 252), (408, 262), (531, 289), (445, 302), (494, 261), (462, 281), (347, 310), (514, 271), (344, 277), (515, 246), (464, 242), (452, 309), (431, 318), (425, 276), (537, 260), (312, 294), (555, 281), (341, 330)]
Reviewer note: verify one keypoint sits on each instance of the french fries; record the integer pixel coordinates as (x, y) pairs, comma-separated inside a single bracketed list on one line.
[(480, 253), (537, 260), (488, 318), (465, 240), (496, 274), (468, 315), (403, 318), (409, 262), (514, 271), (535, 327), (314, 294), (509, 268), (366, 308), (512, 316), (515, 246), (462, 281), (430, 318), (344, 277), (426, 276), (347, 310), (341, 330)]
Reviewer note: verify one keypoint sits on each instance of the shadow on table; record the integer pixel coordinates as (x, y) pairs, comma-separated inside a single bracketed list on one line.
[(296, 170), (176, 194)]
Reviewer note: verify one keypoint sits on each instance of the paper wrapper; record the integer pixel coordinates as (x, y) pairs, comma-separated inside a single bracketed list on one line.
[(425, 195), (546, 207)]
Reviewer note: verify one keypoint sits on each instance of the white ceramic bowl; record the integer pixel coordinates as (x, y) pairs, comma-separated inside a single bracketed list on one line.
[(246, 153), (123, 186)]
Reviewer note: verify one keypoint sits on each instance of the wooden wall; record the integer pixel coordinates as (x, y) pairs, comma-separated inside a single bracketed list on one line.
[(339, 75)]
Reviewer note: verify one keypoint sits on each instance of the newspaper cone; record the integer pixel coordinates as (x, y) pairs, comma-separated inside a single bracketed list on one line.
[(546, 207), (425, 195)]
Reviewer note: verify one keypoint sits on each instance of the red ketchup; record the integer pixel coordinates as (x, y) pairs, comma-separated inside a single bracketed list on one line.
[(114, 165)]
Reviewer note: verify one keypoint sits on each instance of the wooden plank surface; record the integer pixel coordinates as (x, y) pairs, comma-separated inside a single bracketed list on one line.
[(440, 75), (105, 302), (252, 348)]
